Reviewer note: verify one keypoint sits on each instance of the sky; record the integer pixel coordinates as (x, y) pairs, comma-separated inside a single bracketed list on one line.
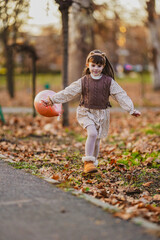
[(39, 13), (40, 16)]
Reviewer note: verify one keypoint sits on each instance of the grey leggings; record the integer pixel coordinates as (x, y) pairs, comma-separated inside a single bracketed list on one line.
[(92, 143)]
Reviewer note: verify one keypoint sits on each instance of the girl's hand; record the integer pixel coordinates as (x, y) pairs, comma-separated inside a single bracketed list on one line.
[(136, 113), (47, 102)]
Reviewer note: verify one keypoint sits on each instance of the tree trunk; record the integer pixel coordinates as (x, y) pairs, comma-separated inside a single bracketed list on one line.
[(65, 61), (10, 69), (81, 37), (33, 84), (153, 23), (115, 60), (155, 56)]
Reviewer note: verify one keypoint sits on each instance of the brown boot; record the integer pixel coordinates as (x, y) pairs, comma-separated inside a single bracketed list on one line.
[(89, 166)]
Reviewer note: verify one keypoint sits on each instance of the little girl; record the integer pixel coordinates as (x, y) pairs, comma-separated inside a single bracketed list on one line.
[(93, 112)]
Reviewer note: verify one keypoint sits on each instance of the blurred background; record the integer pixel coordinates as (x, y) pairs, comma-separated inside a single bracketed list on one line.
[(33, 36)]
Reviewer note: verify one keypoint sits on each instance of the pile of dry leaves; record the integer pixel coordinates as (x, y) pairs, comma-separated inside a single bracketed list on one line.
[(129, 160)]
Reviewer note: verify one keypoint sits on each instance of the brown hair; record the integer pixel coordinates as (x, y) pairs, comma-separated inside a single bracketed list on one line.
[(98, 57)]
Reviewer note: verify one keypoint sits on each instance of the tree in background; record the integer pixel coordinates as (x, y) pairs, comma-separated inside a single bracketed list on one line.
[(106, 30), (153, 24), (81, 37), (50, 53), (64, 6), (13, 13), (120, 33), (104, 26)]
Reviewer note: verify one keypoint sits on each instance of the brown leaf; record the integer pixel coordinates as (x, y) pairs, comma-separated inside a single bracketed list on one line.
[(147, 184), (148, 161), (156, 197), (114, 201), (55, 176), (124, 215), (152, 208), (66, 165), (110, 149), (113, 161), (131, 191)]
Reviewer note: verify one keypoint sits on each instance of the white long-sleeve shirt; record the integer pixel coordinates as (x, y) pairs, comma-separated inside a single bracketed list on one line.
[(99, 117)]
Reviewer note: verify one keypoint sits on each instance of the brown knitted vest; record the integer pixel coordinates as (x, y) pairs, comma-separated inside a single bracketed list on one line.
[(95, 92)]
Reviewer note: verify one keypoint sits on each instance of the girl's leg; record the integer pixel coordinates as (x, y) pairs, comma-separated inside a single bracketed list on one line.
[(96, 151), (91, 140), (89, 159)]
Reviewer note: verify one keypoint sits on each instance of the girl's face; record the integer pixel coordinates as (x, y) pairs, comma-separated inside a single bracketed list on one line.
[(95, 69)]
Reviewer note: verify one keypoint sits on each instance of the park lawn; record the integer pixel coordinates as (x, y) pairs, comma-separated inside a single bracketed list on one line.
[(135, 77), (23, 81), (54, 80), (129, 159), (143, 96)]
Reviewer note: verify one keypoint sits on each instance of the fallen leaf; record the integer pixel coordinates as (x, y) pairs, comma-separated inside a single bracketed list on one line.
[(55, 176), (131, 191), (147, 184), (152, 208), (156, 197), (124, 215)]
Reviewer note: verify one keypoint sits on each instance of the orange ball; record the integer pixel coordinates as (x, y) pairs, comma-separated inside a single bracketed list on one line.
[(47, 111)]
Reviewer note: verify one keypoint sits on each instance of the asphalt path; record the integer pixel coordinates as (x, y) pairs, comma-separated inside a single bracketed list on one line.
[(17, 110), (33, 209)]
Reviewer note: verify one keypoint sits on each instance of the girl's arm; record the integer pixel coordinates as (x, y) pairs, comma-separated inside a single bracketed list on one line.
[(66, 95), (123, 99)]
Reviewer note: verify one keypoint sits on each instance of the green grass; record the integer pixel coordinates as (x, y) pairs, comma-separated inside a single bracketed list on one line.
[(55, 80), (87, 189), (145, 77), (135, 159), (25, 80), (78, 137), (25, 165), (152, 129)]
